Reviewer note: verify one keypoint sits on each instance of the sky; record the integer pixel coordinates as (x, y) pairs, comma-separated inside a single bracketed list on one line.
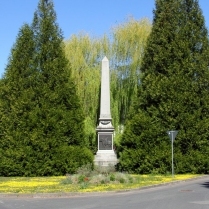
[(95, 17)]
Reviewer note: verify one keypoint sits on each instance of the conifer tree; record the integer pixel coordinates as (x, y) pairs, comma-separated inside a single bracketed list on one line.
[(46, 123), (58, 96), (16, 103), (61, 117), (173, 94)]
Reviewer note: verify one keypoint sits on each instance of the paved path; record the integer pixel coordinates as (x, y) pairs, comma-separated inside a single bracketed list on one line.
[(193, 194)]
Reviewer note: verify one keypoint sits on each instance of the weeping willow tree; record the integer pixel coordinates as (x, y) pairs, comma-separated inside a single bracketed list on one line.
[(124, 49), (85, 54), (129, 40)]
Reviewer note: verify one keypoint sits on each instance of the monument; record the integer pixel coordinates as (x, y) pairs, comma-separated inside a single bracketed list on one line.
[(105, 155)]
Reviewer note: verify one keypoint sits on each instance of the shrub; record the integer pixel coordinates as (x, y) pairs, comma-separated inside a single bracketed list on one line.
[(69, 158), (86, 170)]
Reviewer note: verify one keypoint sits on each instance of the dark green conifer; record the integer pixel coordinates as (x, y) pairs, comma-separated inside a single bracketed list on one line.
[(16, 101), (60, 120), (173, 94), (43, 122)]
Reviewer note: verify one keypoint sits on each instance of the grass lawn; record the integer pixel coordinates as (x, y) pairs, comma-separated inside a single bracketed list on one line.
[(80, 183)]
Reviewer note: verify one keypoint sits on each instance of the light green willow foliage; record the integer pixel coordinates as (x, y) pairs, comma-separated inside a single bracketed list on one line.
[(85, 55), (129, 40), (124, 48)]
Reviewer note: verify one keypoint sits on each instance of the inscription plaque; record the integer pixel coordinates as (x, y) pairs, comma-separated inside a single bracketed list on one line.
[(105, 142)]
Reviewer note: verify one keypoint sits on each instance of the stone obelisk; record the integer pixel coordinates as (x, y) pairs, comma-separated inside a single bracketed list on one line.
[(105, 155)]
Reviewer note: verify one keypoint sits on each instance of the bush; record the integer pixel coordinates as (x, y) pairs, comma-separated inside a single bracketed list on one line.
[(85, 170), (106, 170), (69, 159), (85, 175)]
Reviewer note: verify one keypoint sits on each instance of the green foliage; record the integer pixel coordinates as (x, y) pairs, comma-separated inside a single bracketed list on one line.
[(129, 41), (122, 48), (86, 176), (173, 94), (105, 170), (112, 177), (67, 181), (85, 170), (16, 101), (83, 54), (70, 158), (41, 109)]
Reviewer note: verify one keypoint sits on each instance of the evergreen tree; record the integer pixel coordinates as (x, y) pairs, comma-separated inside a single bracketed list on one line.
[(47, 122), (60, 117), (173, 94), (58, 95), (16, 103)]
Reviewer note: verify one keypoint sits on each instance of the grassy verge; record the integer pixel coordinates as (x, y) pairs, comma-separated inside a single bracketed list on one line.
[(81, 183)]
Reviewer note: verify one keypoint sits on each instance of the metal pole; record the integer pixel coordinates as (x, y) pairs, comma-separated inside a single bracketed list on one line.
[(172, 153)]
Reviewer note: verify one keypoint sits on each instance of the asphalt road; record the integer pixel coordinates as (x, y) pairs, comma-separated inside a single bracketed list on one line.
[(193, 194)]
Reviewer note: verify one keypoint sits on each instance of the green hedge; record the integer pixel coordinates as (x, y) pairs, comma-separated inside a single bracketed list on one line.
[(27, 162)]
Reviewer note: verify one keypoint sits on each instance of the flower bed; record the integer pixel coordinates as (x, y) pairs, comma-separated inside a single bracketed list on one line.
[(82, 183)]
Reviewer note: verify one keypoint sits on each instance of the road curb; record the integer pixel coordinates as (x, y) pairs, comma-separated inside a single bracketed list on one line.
[(73, 194)]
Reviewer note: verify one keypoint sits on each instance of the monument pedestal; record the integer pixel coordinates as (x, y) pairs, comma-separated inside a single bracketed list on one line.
[(105, 155), (105, 158)]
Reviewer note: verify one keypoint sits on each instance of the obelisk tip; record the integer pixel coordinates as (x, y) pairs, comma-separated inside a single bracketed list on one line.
[(105, 59)]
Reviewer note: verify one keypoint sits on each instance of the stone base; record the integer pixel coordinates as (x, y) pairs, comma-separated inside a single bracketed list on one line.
[(105, 158)]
